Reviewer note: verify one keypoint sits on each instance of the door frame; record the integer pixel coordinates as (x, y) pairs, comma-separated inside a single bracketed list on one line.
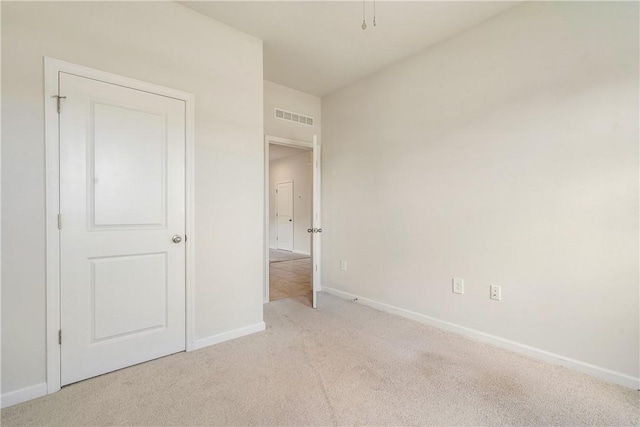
[(52, 161), (293, 212), (270, 139)]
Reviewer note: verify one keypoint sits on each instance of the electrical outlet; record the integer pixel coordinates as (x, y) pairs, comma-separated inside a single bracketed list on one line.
[(458, 285), (495, 293), (343, 264)]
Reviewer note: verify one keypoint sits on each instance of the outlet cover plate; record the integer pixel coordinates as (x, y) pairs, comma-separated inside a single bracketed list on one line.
[(457, 285), (495, 293)]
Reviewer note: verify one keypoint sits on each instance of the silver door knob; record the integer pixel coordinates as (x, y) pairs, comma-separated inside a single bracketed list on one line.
[(309, 230), (177, 238)]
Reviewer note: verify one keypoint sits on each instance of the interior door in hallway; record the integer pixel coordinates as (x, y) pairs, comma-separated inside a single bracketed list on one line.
[(284, 215), (122, 207), (316, 223)]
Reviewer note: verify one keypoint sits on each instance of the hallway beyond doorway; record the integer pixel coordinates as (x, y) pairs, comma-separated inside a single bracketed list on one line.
[(289, 279), (276, 255)]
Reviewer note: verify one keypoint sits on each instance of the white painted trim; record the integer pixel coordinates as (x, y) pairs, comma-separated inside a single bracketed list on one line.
[(1, 398), (24, 394), (52, 160), (269, 139), (52, 67), (555, 359), (230, 335), (190, 220)]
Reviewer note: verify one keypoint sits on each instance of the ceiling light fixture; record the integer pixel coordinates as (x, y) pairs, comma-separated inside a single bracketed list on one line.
[(374, 13), (364, 21)]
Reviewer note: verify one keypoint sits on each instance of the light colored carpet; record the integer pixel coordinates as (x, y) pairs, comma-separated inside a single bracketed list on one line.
[(342, 364), (278, 256)]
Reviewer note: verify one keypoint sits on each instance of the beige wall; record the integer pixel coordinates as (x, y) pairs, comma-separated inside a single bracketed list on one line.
[(276, 95), (295, 168), (162, 43), (506, 155)]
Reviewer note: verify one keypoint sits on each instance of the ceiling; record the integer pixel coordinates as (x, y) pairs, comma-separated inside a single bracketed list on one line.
[(318, 46), (277, 151)]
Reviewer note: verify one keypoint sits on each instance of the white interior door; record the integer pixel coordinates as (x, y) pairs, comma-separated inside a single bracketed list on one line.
[(122, 207), (284, 215), (317, 224)]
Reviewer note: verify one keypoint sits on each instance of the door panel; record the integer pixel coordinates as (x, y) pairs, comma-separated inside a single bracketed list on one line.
[(284, 214), (122, 198), (316, 221), (129, 162), (116, 304)]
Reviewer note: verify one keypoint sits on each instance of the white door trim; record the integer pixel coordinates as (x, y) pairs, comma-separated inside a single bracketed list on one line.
[(51, 69), (269, 139)]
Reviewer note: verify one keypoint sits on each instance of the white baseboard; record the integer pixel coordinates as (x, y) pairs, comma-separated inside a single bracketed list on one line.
[(307, 253), (226, 336), (39, 390), (24, 394), (556, 359)]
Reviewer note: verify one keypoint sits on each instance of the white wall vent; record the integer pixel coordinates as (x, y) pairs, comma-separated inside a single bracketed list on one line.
[(293, 117)]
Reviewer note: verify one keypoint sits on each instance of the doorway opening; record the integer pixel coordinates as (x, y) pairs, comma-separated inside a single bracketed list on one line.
[(291, 220), (290, 204)]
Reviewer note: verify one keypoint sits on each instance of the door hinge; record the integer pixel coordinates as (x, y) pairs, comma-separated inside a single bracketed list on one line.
[(185, 237), (59, 222), (60, 336), (58, 98)]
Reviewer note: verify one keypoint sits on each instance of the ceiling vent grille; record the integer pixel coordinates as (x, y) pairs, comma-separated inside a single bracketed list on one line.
[(293, 117)]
